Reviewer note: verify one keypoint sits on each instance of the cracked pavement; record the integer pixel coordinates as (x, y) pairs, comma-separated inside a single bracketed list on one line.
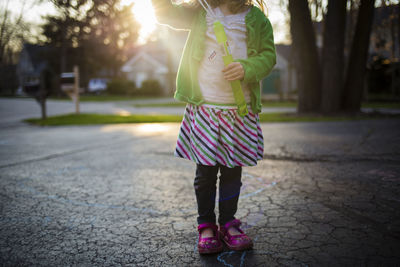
[(326, 194)]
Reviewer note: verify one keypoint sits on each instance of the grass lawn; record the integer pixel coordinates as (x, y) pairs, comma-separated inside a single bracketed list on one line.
[(171, 104), (277, 104), (265, 103), (293, 117), (182, 104), (93, 119), (391, 105)]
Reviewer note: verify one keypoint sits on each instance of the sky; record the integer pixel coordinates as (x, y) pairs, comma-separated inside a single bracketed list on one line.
[(143, 12)]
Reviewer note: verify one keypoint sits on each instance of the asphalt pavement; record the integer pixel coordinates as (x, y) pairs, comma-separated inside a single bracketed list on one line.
[(326, 194)]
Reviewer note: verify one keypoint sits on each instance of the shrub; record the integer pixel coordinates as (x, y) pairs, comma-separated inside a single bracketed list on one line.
[(121, 86), (151, 88)]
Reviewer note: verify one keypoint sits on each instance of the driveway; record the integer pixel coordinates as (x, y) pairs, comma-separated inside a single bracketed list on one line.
[(326, 194)]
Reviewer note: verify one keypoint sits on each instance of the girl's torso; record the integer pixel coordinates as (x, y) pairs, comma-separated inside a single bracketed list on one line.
[(214, 88)]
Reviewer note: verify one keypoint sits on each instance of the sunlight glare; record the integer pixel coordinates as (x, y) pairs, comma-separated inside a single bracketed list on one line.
[(153, 128), (142, 129), (123, 113), (144, 14)]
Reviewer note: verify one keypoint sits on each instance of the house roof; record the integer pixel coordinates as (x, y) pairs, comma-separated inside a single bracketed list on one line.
[(38, 55), (166, 49), (159, 67), (155, 48), (383, 14)]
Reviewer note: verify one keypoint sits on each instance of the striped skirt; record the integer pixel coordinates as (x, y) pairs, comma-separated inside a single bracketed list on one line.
[(211, 135)]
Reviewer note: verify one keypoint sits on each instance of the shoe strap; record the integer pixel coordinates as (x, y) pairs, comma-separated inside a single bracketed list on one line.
[(207, 225), (236, 223)]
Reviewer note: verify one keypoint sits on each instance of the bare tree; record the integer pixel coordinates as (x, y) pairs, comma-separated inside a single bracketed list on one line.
[(398, 26), (66, 19), (13, 31), (323, 90), (352, 12), (333, 56), (354, 83), (104, 32), (307, 64), (317, 8)]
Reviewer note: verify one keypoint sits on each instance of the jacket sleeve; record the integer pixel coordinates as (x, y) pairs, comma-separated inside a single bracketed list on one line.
[(260, 61), (176, 16)]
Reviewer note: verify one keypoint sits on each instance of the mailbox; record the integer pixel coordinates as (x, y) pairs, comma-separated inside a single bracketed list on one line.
[(67, 82), (31, 86)]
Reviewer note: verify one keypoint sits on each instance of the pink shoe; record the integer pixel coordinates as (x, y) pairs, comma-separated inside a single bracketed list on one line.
[(235, 242), (209, 245)]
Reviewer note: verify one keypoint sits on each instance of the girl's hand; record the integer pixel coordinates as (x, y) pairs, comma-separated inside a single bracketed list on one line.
[(233, 72)]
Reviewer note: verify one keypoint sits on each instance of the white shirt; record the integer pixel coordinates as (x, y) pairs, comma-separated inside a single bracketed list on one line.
[(213, 86)]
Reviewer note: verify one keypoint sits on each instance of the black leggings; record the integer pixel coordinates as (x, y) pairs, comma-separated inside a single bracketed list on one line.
[(229, 191)]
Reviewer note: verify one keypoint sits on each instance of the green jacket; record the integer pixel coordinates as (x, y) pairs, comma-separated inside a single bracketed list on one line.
[(260, 49)]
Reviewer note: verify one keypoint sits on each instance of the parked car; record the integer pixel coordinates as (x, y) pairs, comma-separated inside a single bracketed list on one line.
[(97, 85)]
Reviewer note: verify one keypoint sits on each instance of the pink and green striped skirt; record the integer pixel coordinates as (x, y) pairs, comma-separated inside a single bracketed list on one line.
[(211, 135)]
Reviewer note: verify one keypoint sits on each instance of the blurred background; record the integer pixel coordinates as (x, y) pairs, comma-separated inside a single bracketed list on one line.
[(332, 56)]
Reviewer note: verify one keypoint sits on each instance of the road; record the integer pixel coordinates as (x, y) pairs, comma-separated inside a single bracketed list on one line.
[(326, 194)]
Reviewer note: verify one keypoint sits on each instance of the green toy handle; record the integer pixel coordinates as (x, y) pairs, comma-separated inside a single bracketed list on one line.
[(228, 59)]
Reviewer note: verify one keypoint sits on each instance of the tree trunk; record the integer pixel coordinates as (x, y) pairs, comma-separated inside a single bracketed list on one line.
[(393, 54), (42, 102), (333, 56), (63, 57), (355, 77), (42, 94), (349, 30), (306, 54), (393, 32), (398, 27)]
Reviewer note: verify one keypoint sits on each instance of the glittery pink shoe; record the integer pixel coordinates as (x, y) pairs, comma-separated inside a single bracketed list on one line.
[(209, 245), (235, 242)]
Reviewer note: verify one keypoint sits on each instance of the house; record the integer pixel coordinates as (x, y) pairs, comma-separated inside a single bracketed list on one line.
[(157, 60), (148, 64), (385, 40), (383, 76), (281, 82)]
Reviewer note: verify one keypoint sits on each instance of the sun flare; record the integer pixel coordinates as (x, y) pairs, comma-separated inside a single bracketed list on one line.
[(144, 14)]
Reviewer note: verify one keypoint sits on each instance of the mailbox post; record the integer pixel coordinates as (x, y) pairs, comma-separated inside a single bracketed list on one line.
[(70, 85), (76, 72)]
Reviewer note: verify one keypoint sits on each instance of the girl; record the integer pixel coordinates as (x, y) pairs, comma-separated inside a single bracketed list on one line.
[(212, 134)]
